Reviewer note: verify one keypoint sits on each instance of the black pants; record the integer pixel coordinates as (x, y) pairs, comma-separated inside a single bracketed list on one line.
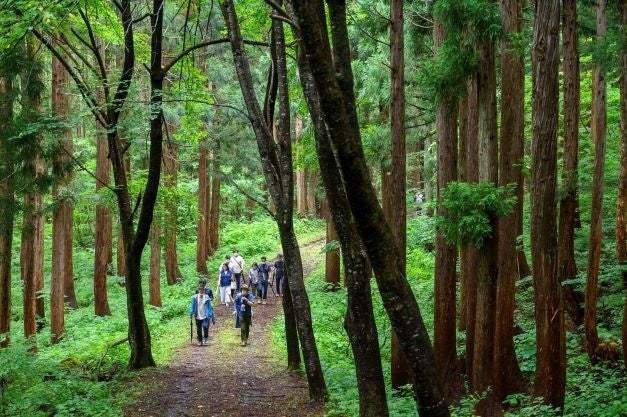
[(278, 281), (245, 322), (238, 280), (200, 330)]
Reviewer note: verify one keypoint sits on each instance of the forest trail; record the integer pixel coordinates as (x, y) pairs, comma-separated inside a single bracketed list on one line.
[(227, 380)]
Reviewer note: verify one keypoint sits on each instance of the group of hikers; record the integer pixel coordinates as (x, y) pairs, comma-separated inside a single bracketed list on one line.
[(238, 289)]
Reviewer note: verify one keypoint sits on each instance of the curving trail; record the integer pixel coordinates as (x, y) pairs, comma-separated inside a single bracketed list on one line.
[(227, 380)]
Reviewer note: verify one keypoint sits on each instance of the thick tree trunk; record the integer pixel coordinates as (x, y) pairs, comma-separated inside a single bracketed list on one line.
[(334, 85), (359, 320), (599, 127), (550, 374), (170, 165), (213, 229), (104, 224), (462, 166), (121, 256), (567, 268), (278, 170), (507, 377), (487, 266), (202, 237), (311, 192), (7, 207), (291, 332), (445, 334), (469, 252), (621, 229), (301, 192), (332, 257), (154, 280)]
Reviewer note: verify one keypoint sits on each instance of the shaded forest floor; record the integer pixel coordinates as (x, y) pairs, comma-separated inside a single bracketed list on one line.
[(225, 379)]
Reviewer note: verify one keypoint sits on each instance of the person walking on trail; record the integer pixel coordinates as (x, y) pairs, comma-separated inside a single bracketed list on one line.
[(224, 282), (202, 310), (253, 278), (279, 275), (262, 285), (244, 310), (236, 265)]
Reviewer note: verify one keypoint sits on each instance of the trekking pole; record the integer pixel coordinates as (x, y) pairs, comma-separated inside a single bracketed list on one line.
[(191, 330)]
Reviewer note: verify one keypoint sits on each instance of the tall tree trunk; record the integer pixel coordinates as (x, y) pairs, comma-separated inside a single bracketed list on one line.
[(32, 250), (301, 174), (487, 266), (278, 170), (154, 281), (104, 224), (507, 377), (63, 213), (599, 127), (567, 268), (394, 204), (202, 237), (7, 206), (621, 230), (170, 165), (469, 252), (462, 166), (332, 257), (291, 332), (213, 229), (121, 256), (311, 192), (550, 374), (444, 333), (332, 75)]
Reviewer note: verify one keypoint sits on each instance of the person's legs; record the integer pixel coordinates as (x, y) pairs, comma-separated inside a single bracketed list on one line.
[(245, 322), (265, 291), (278, 281), (223, 298), (205, 331), (238, 279), (199, 330)]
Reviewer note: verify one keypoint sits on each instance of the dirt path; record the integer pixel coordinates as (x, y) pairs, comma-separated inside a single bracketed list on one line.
[(227, 380)]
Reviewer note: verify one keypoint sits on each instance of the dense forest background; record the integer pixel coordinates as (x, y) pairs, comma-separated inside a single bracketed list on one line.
[(468, 157)]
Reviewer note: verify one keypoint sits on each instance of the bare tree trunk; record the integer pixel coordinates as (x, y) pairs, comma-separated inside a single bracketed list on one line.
[(567, 268), (487, 266), (7, 207), (104, 224), (202, 237), (301, 192), (332, 257), (214, 212), (121, 256), (291, 332), (599, 127), (154, 281), (311, 192), (550, 374), (621, 230), (507, 377), (462, 166), (170, 171), (444, 333), (469, 252)]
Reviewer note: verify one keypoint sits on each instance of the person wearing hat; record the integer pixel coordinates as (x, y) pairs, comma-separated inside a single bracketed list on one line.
[(244, 310)]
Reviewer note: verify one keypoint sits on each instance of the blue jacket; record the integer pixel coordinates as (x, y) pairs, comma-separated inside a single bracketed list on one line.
[(208, 310), (247, 311), (225, 278), (264, 271)]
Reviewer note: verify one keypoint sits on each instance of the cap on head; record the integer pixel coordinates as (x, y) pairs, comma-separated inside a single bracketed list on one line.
[(244, 287)]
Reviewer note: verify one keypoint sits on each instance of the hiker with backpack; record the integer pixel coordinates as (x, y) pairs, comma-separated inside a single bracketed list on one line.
[(202, 311), (262, 285), (244, 312)]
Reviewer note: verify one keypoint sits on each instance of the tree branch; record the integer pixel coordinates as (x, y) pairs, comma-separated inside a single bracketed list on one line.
[(282, 14)]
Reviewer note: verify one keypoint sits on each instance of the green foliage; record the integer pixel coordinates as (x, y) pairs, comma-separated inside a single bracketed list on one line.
[(471, 209)]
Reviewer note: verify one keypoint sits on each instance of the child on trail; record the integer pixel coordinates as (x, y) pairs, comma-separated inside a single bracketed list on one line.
[(225, 284), (279, 274), (244, 311), (262, 285), (253, 278), (202, 311)]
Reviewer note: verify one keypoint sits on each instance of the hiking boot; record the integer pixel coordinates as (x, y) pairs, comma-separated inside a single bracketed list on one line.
[(206, 341), (264, 302), (258, 301), (243, 343)]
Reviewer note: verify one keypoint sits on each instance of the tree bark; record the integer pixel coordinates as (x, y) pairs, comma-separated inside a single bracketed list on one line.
[(550, 374), (170, 170), (621, 230), (332, 257), (154, 282), (445, 334), (32, 245), (567, 268), (487, 264), (333, 80), (121, 256), (213, 228), (276, 158), (7, 206), (301, 192), (311, 192), (507, 377), (359, 320), (202, 237), (599, 128), (104, 224)]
